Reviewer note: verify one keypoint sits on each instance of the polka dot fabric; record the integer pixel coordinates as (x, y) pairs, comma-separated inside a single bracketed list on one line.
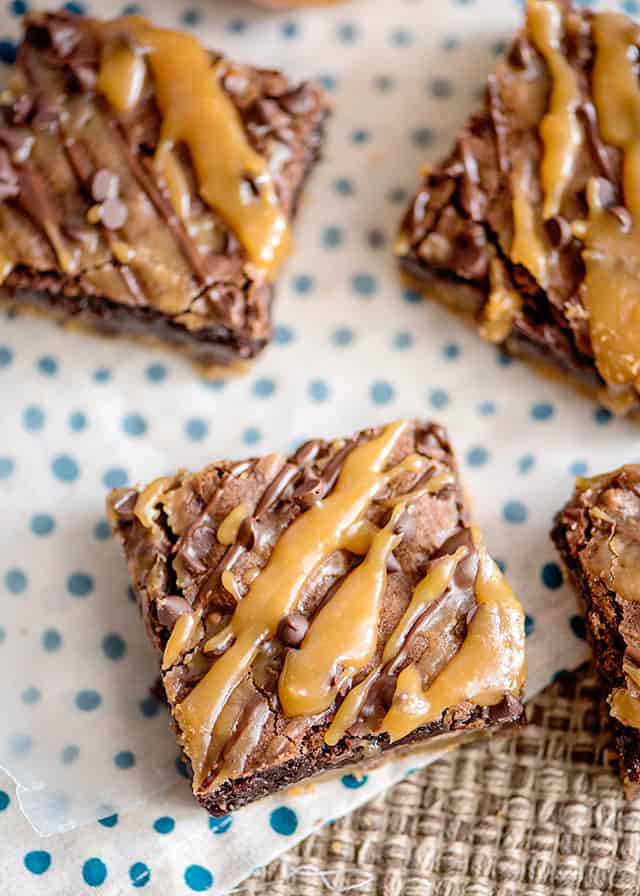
[(353, 346)]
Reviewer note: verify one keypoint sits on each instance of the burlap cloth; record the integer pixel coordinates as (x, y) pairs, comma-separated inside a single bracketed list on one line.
[(540, 812)]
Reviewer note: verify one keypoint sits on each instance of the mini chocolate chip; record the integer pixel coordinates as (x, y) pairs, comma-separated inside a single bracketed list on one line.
[(622, 215), (104, 185), (309, 492), (521, 53), (306, 452), (114, 214), (292, 629), (170, 608), (559, 231), (125, 504), (196, 548)]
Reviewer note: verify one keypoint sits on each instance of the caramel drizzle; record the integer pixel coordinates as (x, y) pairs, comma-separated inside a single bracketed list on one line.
[(233, 178), (625, 707), (228, 528), (502, 307), (611, 290), (301, 549), (489, 663), (560, 129), (527, 248)]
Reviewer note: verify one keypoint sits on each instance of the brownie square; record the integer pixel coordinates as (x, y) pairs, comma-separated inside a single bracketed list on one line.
[(315, 611), (529, 224), (148, 185), (598, 536)]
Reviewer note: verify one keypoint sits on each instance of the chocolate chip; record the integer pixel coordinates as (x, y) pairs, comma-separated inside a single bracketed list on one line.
[(589, 117), (508, 710), (196, 548), (521, 54), (104, 185), (21, 108), (85, 74), (114, 214), (622, 215), (170, 608), (124, 505), (292, 629), (559, 231), (306, 452), (298, 101), (309, 492), (248, 533)]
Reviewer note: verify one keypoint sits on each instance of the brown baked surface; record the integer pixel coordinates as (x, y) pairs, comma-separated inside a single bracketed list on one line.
[(552, 281), (415, 523), (598, 536), (127, 263)]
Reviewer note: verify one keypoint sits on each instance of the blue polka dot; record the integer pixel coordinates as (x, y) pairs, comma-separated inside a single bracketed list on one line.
[(102, 375), (438, 399), (42, 524), (94, 872), (156, 373), (237, 26), (451, 351), (401, 37), (360, 136), (289, 30), (375, 238), (602, 416), (20, 744), (149, 707), (353, 783), (526, 463), (498, 47), (477, 456), (303, 284), (440, 88), (3, 634), (181, 767), (132, 9), (381, 392), (551, 576), (423, 137), (114, 646), (503, 359), (164, 825), (579, 468), (402, 340), (342, 336), (283, 334), (383, 83), (214, 385), (397, 195), (344, 186), (264, 387), (15, 581), (191, 17), (529, 625), (70, 753), (6, 356), (347, 32), (327, 82), (363, 284), (542, 410), (318, 390), (102, 530), (88, 700), (124, 759), (109, 821), (47, 365), (65, 468), (283, 821), (332, 237), (487, 408), (139, 874), (4, 800), (78, 8), (579, 627), (33, 418), (220, 825), (116, 477), (7, 467), (51, 640), (449, 44), (251, 435), (7, 51), (18, 7), (79, 584), (631, 7), (77, 421), (198, 878), (412, 296), (38, 861), (30, 696), (196, 429), (514, 512), (134, 425)]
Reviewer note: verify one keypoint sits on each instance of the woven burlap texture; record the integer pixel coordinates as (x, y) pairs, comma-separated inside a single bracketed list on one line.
[(540, 812)]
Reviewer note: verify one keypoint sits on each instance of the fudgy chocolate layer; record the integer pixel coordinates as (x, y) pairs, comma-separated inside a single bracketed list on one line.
[(598, 534)]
